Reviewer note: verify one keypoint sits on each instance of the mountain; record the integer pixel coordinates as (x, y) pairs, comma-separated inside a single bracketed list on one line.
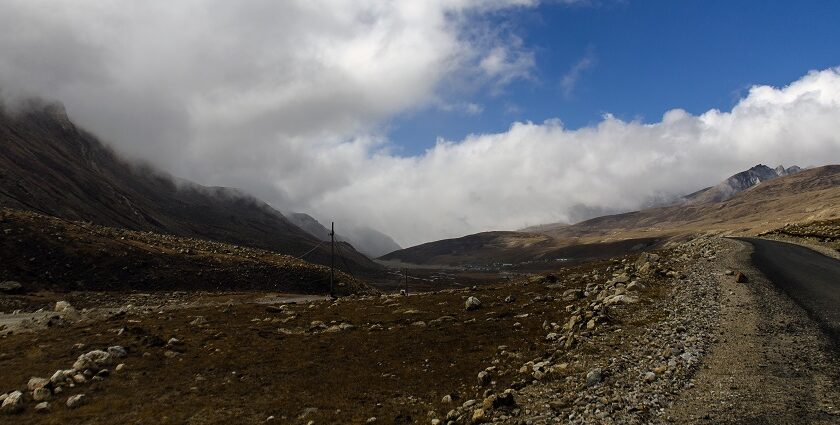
[(798, 195), (497, 248), (53, 167), (801, 196), (368, 241), (740, 182)]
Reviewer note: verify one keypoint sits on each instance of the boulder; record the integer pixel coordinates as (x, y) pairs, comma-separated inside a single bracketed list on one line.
[(61, 306), (484, 378), (13, 403), (117, 351), (93, 360), (620, 299), (472, 303), (479, 416), (36, 383), (594, 377), (11, 287), (61, 376), (77, 401), (42, 394)]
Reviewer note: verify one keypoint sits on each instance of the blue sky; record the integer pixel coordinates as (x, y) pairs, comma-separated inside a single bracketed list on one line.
[(646, 57)]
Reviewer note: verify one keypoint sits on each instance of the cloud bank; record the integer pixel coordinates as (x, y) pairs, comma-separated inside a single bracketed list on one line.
[(290, 101)]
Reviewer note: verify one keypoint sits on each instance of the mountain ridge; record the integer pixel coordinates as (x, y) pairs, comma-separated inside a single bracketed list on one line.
[(57, 168)]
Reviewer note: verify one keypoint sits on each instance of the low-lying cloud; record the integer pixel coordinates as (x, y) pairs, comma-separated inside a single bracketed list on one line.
[(291, 100)]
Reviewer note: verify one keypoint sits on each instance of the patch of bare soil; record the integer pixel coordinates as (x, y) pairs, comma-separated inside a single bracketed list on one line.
[(772, 364)]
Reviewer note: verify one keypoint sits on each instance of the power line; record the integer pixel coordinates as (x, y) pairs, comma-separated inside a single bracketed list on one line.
[(311, 250)]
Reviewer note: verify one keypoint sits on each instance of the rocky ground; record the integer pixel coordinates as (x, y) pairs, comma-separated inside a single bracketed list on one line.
[(674, 336)]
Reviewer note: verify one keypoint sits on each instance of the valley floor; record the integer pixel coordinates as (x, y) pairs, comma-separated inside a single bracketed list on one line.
[(652, 339)]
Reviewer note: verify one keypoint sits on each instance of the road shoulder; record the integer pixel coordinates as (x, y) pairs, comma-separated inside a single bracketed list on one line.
[(772, 364)]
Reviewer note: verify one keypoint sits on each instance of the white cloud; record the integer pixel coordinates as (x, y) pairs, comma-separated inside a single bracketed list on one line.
[(539, 173), (571, 78), (289, 100)]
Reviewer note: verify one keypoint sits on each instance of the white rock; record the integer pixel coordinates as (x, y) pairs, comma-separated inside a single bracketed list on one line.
[(93, 360), (61, 306), (42, 407), (42, 394), (76, 401), (117, 351), (36, 383), (472, 303), (13, 403)]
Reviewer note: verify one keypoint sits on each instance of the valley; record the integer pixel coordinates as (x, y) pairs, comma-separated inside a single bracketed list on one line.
[(184, 304)]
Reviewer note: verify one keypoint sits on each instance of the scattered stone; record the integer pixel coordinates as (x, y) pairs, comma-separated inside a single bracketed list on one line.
[(36, 383), (62, 306), (199, 321), (484, 378), (649, 377), (11, 287), (479, 416), (42, 407), (729, 272), (61, 376), (13, 403), (119, 367), (371, 420), (42, 394), (117, 351), (741, 278), (472, 303), (447, 399), (77, 401), (93, 360), (594, 377)]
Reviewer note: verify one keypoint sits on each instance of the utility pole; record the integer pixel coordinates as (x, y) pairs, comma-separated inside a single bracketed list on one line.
[(332, 259)]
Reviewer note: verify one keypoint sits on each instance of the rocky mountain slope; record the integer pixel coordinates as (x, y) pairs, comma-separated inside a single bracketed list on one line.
[(51, 166), (46, 253), (740, 182)]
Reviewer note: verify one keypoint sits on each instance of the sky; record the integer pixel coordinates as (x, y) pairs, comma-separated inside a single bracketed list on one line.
[(436, 119)]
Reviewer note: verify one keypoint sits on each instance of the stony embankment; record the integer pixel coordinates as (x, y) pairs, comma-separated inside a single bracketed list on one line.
[(636, 335)]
